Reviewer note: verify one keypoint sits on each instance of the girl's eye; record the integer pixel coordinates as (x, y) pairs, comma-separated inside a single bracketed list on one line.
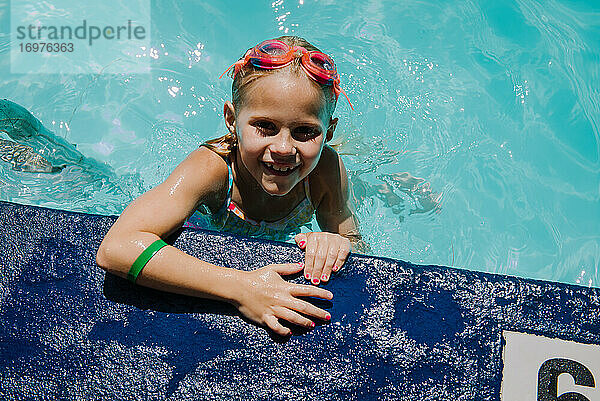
[(305, 133), (265, 126)]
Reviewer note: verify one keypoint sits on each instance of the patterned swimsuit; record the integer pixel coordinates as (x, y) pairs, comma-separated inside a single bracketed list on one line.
[(230, 218)]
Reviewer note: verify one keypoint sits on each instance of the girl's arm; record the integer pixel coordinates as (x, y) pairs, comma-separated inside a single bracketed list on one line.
[(261, 295), (326, 252), (334, 211)]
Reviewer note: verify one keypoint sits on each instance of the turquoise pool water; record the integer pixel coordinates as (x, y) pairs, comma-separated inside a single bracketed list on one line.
[(494, 104)]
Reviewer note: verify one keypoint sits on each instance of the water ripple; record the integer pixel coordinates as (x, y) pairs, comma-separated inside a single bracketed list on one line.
[(474, 140)]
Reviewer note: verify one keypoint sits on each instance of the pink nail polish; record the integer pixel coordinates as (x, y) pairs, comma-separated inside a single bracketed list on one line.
[(335, 268), (301, 264), (324, 277), (302, 243), (312, 325), (307, 276), (315, 280), (328, 317)]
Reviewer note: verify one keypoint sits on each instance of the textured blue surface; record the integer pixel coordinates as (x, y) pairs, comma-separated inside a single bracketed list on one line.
[(398, 331)]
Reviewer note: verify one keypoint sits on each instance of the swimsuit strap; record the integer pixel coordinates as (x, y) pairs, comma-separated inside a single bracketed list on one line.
[(307, 190), (229, 205), (230, 177)]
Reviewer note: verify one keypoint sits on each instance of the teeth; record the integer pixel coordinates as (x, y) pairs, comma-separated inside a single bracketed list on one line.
[(282, 169)]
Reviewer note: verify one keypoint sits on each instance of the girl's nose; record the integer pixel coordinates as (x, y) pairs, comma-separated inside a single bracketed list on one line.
[(283, 143)]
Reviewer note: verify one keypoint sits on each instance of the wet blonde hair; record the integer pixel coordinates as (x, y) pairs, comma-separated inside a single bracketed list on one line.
[(225, 144)]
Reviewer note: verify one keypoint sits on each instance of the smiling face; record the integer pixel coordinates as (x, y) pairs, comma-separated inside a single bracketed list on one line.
[(281, 127)]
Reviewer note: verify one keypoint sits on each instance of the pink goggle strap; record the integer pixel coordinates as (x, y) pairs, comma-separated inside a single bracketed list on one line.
[(238, 65), (341, 90)]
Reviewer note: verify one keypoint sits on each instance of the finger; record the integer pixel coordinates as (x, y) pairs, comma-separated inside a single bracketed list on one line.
[(342, 255), (306, 273), (302, 290), (309, 258), (307, 308), (319, 262), (301, 240), (287, 268), (272, 322), (293, 317), (332, 255)]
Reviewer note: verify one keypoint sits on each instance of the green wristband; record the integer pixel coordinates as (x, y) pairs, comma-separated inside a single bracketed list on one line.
[(144, 257)]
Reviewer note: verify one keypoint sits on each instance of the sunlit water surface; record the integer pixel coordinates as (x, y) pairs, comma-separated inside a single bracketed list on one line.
[(495, 105)]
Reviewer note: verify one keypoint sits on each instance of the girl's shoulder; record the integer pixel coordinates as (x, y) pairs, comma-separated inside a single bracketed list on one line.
[(212, 175), (329, 179)]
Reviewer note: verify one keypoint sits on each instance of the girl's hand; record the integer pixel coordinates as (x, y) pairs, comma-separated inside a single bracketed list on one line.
[(264, 297), (325, 252)]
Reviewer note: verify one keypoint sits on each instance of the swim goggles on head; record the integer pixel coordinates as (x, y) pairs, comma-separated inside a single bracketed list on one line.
[(274, 53)]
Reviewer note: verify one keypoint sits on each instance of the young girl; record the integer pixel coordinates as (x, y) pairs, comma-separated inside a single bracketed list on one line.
[(265, 178)]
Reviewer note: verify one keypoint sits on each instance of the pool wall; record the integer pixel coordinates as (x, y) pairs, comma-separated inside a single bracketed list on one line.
[(398, 331)]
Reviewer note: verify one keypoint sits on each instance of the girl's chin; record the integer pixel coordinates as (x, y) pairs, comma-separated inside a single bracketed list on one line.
[(277, 185), (275, 188)]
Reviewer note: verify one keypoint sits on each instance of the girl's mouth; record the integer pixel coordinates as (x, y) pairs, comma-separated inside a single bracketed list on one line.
[(282, 171)]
